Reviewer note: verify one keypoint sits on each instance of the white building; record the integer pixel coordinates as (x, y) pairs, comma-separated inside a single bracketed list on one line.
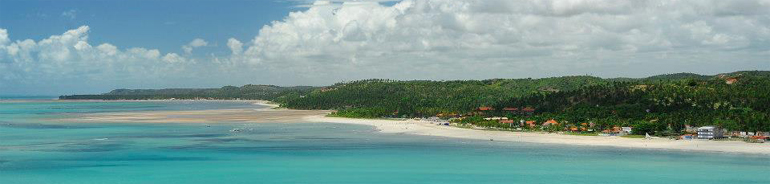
[(627, 130), (710, 132)]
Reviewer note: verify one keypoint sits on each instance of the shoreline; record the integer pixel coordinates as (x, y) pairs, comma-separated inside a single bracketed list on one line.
[(262, 112), (271, 113), (426, 128), (149, 100)]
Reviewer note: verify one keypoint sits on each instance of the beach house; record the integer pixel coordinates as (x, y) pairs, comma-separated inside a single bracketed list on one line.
[(527, 111), (507, 121), (483, 110), (511, 110), (710, 132), (690, 129), (530, 123), (550, 122), (496, 118), (614, 131), (627, 130)]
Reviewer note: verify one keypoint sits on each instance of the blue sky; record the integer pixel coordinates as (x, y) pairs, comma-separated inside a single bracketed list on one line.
[(163, 24), (57, 47)]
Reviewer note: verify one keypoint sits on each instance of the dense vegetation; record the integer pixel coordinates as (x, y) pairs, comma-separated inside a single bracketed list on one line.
[(376, 97), (660, 105), (663, 107)]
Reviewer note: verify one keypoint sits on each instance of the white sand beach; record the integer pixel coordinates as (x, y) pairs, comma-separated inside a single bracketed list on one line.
[(428, 128)]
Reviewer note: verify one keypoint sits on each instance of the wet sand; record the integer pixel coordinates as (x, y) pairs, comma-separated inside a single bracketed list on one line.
[(255, 115)]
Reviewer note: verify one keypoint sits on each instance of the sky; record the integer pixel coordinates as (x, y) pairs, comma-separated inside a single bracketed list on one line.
[(55, 47)]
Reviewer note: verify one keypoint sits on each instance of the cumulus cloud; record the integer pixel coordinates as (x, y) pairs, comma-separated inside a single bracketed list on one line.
[(173, 58), (4, 37), (235, 46), (450, 39), (70, 58), (331, 41), (195, 43)]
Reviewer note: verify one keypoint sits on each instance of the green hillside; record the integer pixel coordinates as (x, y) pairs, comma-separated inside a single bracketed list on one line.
[(427, 98), (661, 104)]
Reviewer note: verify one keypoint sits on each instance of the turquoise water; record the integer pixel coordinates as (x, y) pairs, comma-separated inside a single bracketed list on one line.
[(33, 149)]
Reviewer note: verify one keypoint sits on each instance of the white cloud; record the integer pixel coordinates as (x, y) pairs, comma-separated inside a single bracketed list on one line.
[(332, 41), (4, 37), (69, 58), (173, 58), (235, 46), (198, 43), (107, 49), (450, 39), (195, 43)]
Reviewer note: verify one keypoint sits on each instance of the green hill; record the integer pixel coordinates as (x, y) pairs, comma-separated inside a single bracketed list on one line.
[(424, 98), (742, 104), (663, 104)]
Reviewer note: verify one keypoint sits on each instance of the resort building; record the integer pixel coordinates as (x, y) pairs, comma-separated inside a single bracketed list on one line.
[(485, 109), (550, 122), (482, 110), (710, 132), (627, 130), (614, 131), (496, 118), (527, 111), (690, 129), (530, 123), (512, 110), (507, 121)]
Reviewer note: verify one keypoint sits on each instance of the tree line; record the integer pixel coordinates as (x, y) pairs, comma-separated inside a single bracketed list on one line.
[(663, 104)]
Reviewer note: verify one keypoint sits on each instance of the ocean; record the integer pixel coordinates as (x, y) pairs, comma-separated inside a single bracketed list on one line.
[(36, 147)]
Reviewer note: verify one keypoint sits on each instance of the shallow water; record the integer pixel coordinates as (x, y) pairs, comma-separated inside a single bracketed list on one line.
[(35, 150)]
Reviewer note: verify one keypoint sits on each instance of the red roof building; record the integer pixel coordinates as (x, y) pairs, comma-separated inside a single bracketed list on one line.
[(485, 109), (511, 109), (731, 80), (528, 109), (531, 123), (550, 122)]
